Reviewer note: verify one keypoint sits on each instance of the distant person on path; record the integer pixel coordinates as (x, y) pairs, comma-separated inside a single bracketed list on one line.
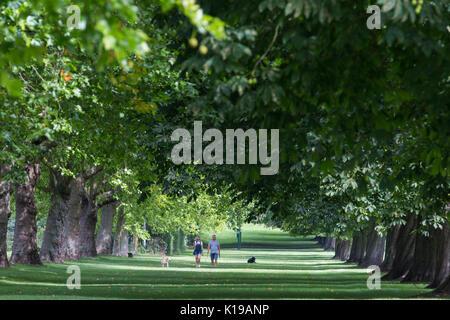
[(214, 246), (198, 251)]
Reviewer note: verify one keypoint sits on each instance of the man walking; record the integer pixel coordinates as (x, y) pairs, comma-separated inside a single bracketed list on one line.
[(214, 246)]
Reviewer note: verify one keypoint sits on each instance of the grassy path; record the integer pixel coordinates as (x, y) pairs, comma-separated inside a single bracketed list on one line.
[(286, 268)]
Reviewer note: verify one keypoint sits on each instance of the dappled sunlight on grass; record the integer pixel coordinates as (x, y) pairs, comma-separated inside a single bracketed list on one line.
[(292, 268)]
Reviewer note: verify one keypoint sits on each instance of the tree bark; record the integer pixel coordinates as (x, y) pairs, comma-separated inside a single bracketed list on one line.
[(118, 236), (424, 260), (25, 249), (404, 249), (330, 244), (442, 271), (104, 234), (134, 245), (124, 243), (5, 213), (77, 202), (357, 250), (53, 234), (391, 241), (338, 249), (344, 253), (375, 248), (444, 287), (88, 222)]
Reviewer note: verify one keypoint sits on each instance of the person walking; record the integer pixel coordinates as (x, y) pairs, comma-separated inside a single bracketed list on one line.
[(214, 247), (198, 251)]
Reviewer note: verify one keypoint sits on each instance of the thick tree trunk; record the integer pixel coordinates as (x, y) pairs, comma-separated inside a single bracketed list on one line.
[(5, 213), (118, 236), (423, 267), (25, 249), (338, 249), (357, 250), (442, 256), (330, 244), (375, 248), (53, 234), (88, 222), (391, 241), (404, 250), (77, 202), (344, 253), (104, 234)]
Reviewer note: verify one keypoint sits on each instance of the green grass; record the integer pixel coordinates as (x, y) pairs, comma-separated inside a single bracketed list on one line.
[(286, 268)]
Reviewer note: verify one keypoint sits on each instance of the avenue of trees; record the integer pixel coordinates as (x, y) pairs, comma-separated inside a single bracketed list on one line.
[(86, 117)]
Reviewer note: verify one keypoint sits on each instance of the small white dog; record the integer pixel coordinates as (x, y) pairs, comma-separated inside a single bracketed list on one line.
[(165, 261)]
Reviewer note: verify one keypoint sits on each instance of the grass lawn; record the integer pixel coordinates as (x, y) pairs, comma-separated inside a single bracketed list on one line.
[(286, 268)]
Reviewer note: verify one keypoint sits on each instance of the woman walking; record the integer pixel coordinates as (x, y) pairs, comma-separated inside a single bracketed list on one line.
[(198, 251)]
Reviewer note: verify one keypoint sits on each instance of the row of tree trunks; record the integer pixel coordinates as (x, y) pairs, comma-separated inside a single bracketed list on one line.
[(104, 234), (25, 249), (120, 247), (342, 250), (403, 255), (5, 213), (374, 247)]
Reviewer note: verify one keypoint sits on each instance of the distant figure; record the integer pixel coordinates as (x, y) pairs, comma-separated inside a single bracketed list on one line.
[(251, 260), (214, 246), (130, 255), (165, 261), (198, 251)]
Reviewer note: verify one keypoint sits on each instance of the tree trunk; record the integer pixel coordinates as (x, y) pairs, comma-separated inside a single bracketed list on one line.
[(338, 249), (134, 245), (442, 256), (375, 248), (391, 241), (25, 249), (424, 261), (404, 249), (444, 287), (118, 234), (88, 223), (77, 202), (5, 213), (344, 253), (330, 244), (53, 234), (104, 234), (124, 243), (357, 251)]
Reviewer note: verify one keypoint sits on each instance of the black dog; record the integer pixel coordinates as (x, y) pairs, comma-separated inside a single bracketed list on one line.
[(251, 260), (130, 255)]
